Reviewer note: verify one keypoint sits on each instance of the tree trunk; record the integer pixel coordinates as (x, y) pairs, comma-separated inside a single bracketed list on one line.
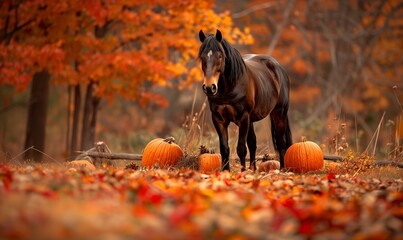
[(76, 118), (89, 119), (95, 103), (91, 103), (36, 120), (69, 90)]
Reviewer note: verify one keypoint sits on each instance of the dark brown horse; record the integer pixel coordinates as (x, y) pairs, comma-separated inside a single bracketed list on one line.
[(243, 90)]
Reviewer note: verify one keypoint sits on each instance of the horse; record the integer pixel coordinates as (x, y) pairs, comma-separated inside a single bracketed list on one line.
[(243, 90)]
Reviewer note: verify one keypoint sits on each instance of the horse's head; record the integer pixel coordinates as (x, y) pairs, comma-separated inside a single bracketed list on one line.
[(212, 57)]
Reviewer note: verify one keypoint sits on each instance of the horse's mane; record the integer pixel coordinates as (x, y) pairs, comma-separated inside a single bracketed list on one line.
[(234, 65)]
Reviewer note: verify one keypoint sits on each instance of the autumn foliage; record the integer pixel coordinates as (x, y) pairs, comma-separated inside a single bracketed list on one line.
[(109, 48), (120, 45)]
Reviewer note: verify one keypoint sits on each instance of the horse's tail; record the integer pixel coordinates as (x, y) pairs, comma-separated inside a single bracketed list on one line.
[(273, 134), (287, 134), (280, 126)]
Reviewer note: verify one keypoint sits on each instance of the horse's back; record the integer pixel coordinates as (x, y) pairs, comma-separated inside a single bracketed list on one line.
[(266, 68), (270, 80), (266, 60)]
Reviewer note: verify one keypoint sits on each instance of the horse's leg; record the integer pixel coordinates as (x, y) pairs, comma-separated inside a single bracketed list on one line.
[(222, 131), (281, 133), (251, 140), (243, 125)]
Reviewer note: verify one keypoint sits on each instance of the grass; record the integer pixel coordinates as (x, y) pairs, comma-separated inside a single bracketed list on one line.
[(382, 172)]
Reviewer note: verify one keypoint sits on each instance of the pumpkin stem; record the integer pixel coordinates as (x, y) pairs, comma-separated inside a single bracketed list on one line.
[(169, 140), (303, 139), (266, 157)]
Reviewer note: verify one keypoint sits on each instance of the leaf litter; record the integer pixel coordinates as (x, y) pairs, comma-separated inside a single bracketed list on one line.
[(53, 202)]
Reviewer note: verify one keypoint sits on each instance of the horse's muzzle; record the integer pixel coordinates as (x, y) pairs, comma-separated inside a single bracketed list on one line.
[(210, 90)]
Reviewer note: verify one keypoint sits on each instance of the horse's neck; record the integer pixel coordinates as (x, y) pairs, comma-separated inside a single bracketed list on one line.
[(227, 90), (225, 85)]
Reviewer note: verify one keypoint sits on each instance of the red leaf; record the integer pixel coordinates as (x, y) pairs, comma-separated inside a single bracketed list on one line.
[(6, 176), (306, 227), (181, 213), (331, 176)]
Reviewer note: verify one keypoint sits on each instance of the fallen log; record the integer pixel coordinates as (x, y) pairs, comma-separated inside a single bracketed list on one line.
[(389, 163), (333, 158), (113, 156)]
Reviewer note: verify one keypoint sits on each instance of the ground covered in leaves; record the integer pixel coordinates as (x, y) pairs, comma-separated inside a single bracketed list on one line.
[(55, 202)]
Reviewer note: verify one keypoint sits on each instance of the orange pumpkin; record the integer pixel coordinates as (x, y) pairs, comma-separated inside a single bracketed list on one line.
[(209, 161), (161, 152), (303, 157), (269, 165), (81, 164)]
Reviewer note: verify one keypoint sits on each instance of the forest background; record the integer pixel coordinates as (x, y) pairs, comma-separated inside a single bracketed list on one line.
[(124, 72)]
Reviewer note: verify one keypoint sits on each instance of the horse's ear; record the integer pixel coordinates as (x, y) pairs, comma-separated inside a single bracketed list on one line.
[(218, 35), (202, 36)]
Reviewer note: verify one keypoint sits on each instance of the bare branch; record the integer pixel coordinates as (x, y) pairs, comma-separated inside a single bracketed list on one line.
[(280, 28), (8, 35), (254, 9), (6, 23)]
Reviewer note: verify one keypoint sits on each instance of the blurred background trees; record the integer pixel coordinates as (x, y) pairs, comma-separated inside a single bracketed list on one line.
[(344, 58), (124, 72)]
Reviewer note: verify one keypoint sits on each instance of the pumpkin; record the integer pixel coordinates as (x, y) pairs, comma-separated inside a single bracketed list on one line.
[(269, 165), (303, 157), (161, 152), (81, 164), (209, 161)]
